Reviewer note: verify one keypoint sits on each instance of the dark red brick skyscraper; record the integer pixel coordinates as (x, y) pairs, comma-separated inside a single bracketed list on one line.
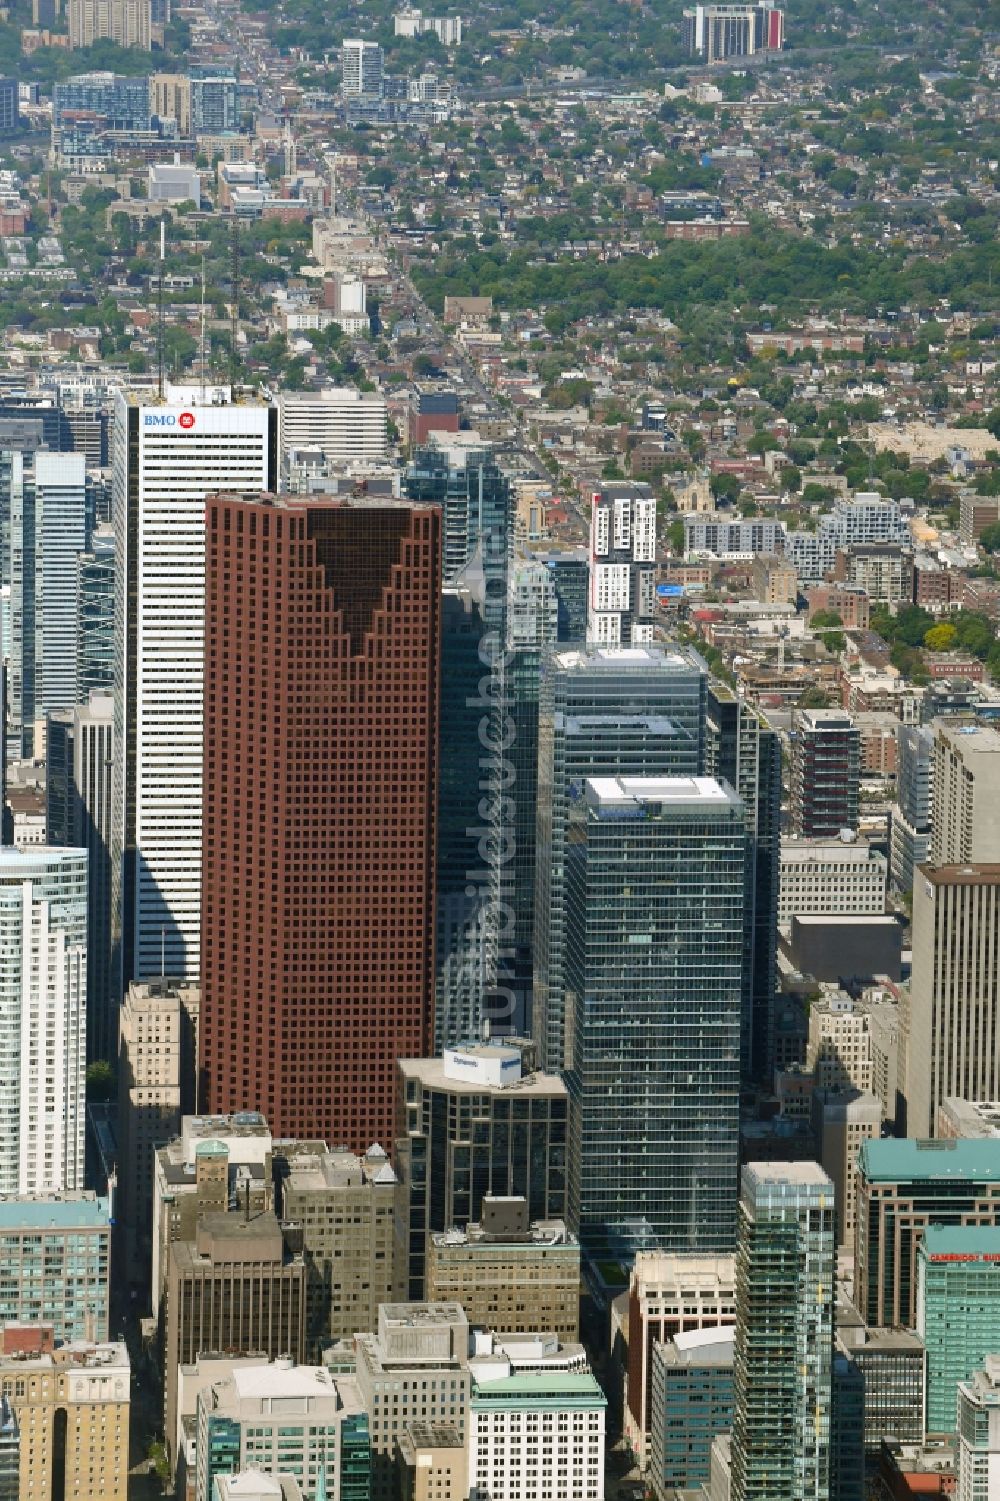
[(322, 676)]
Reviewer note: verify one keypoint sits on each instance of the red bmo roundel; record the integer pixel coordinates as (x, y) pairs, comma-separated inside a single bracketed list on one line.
[(186, 419)]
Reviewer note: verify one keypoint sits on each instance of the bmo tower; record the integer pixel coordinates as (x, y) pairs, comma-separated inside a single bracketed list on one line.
[(622, 605), (166, 458)]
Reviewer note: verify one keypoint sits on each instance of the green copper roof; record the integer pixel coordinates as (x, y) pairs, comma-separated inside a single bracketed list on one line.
[(890, 1161), (561, 1388)]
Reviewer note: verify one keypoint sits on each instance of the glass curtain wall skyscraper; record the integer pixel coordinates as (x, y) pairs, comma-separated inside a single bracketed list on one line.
[(744, 751), (637, 711), (477, 510), (61, 535), (95, 608), (785, 1262), (654, 895)]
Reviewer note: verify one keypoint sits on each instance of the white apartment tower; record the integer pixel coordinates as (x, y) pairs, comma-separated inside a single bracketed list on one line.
[(43, 1001), (166, 459), (361, 66), (622, 603)]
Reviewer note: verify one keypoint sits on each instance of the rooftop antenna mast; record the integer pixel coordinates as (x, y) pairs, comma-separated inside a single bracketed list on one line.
[(159, 337), (234, 317), (201, 347)]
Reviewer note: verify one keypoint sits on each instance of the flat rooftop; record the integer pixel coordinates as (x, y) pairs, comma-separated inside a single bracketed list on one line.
[(701, 1346), (528, 1386), (912, 1160), (67, 1211), (971, 740), (796, 1174), (626, 792), (619, 658), (962, 1242), (431, 1073), (422, 1315), (829, 851), (961, 875)]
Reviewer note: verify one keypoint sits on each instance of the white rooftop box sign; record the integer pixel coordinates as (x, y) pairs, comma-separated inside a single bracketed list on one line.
[(491, 1066)]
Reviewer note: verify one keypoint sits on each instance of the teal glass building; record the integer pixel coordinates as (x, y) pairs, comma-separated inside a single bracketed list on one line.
[(958, 1312)]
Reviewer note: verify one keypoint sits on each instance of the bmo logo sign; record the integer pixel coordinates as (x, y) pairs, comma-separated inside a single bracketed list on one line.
[(168, 419)]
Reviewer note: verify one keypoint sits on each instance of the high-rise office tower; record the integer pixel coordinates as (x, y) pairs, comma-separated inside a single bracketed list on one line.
[(17, 552), (95, 614), (902, 1187), (826, 773), (43, 989), (471, 1123), (653, 991), (361, 66), (322, 664), (910, 815), (166, 460), (79, 761), (157, 1068), (477, 509), (743, 750), (785, 1265), (952, 1022), (61, 534), (602, 712), (464, 880), (966, 821), (622, 566), (958, 1311), (548, 604), (341, 421), (477, 514)]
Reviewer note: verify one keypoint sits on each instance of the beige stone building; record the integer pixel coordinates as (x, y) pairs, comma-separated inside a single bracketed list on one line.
[(952, 1019), (433, 1463), (509, 1275), (966, 824), (170, 98), (775, 581), (157, 1062), (341, 1210), (842, 1121), (72, 1410)]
